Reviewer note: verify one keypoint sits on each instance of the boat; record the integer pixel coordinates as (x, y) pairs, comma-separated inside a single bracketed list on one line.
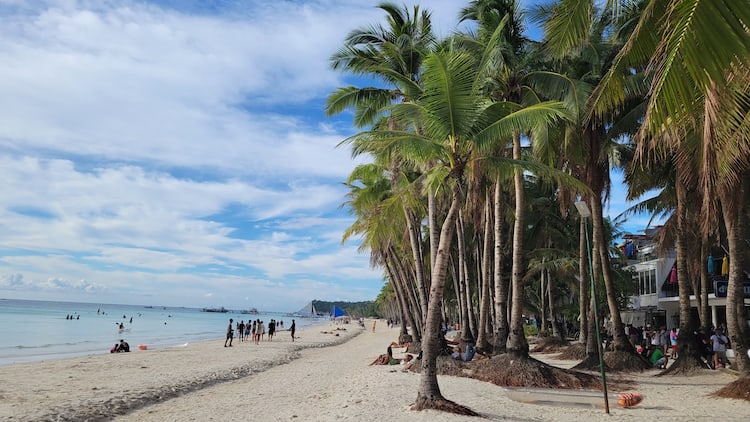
[(308, 311), (251, 311), (220, 310)]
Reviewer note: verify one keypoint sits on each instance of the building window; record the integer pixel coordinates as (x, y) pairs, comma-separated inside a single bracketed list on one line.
[(647, 282)]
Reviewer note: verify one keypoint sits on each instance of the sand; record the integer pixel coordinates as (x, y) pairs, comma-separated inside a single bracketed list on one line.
[(319, 377)]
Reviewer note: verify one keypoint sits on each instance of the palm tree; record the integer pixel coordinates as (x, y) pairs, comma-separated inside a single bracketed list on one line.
[(393, 54), (588, 53), (698, 52)]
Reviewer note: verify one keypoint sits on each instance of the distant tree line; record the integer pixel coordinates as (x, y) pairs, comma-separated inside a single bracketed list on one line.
[(365, 309)]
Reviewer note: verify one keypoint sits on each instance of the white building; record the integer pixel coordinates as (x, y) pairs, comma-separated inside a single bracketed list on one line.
[(658, 302)]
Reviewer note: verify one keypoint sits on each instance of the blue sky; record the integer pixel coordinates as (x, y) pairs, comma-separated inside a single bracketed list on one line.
[(176, 153)]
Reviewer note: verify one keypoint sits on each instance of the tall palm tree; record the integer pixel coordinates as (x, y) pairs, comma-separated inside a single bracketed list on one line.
[(589, 54), (394, 55), (453, 119), (696, 53)]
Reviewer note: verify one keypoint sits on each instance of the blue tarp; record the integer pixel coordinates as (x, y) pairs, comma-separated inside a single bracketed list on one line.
[(338, 312)]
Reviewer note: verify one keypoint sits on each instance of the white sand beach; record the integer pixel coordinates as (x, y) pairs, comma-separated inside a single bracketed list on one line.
[(320, 377)]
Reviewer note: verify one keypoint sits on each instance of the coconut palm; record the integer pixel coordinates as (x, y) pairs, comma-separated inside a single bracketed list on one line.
[(697, 53), (394, 55)]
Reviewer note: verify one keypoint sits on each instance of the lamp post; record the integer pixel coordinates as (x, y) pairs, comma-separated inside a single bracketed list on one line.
[(583, 211)]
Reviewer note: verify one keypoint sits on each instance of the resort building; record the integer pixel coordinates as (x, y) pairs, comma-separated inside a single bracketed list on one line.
[(657, 302)]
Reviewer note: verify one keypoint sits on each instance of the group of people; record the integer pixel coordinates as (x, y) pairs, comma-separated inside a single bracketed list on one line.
[(658, 345), (255, 330), (387, 359)]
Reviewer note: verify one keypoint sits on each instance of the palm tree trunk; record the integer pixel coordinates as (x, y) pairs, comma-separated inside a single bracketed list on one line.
[(583, 284), (429, 391), (404, 313), (517, 344), (551, 303), (688, 344), (463, 285), (542, 294), (620, 340), (415, 240), (705, 279), (484, 302), (501, 293), (409, 297), (432, 224), (732, 203)]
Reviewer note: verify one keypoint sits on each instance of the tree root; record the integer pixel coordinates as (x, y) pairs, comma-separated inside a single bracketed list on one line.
[(550, 345), (575, 351), (509, 371), (685, 365), (443, 405), (739, 389), (623, 361)]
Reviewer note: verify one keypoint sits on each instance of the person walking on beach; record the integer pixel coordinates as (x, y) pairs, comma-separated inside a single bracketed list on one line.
[(230, 334), (373, 325), (292, 328), (271, 329), (241, 329)]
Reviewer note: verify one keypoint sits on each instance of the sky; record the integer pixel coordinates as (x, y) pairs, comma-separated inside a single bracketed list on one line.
[(176, 152)]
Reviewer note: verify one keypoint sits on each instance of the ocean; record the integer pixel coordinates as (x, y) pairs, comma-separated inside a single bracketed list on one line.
[(32, 330)]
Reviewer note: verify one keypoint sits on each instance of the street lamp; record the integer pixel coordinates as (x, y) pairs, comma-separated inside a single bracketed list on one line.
[(583, 211)]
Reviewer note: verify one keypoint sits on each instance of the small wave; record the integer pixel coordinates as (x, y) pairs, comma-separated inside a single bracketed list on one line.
[(51, 345)]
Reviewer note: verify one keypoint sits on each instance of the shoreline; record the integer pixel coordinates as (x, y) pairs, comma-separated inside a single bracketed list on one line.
[(104, 386)]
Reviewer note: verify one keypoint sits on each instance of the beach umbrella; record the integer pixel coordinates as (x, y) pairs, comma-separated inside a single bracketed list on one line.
[(711, 265), (725, 266)]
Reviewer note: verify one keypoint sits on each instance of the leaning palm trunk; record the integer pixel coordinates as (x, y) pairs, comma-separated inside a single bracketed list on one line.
[(620, 341), (429, 391), (409, 306), (501, 293), (415, 240)]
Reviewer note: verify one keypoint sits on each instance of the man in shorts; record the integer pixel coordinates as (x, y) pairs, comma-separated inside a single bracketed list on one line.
[(230, 334)]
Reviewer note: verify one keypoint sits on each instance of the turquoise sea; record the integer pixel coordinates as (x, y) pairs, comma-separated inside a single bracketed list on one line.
[(33, 330)]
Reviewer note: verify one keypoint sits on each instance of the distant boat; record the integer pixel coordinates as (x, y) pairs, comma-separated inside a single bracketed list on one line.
[(308, 311), (251, 311), (220, 310)]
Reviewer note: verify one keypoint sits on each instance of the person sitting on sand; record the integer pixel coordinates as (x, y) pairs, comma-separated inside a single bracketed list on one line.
[(466, 356), (400, 345), (122, 346), (408, 362), (657, 358), (385, 359)]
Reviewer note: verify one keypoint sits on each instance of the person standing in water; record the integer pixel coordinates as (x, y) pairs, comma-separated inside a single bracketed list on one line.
[(292, 328)]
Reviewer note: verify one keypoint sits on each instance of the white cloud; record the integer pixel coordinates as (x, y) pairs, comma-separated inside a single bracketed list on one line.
[(160, 153)]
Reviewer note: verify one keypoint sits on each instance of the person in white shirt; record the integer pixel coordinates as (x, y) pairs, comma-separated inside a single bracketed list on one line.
[(719, 343)]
